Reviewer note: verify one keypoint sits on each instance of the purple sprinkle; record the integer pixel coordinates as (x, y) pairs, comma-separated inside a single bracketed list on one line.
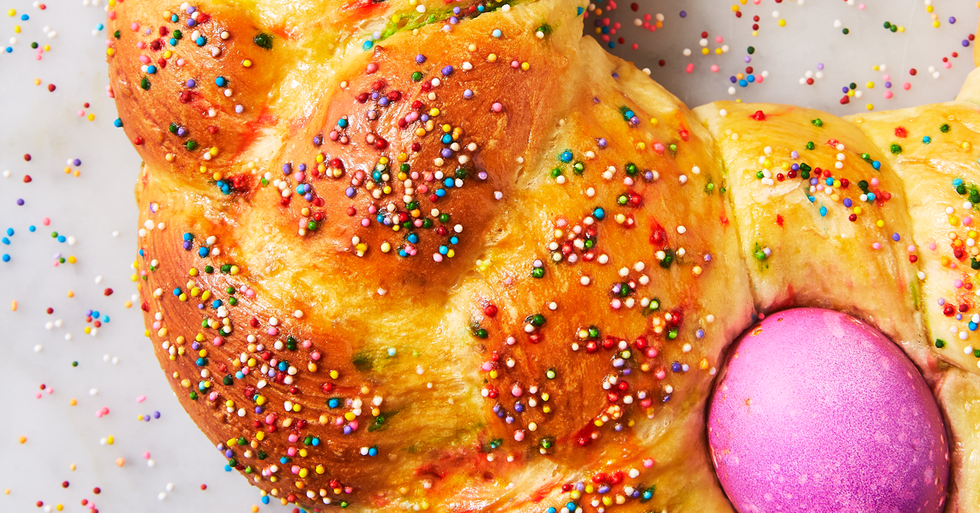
[(941, 301), (302, 167), (795, 154), (602, 142), (482, 175), (181, 132), (77, 162), (467, 94), (615, 75), (952, 20), (448, 70), (20, 201), (187, 245), (966, 42), (419, 59), (191, 22), (287, 168), (453, 20), (888, 85), (455, 10), (190, 9), (424, 118), (896, 237), (683, 14), (200, 306), (446, 153), (820, 66), (156, 415), (383, 102), (350, 192), (308, 196), (748, 59), (191, 83)]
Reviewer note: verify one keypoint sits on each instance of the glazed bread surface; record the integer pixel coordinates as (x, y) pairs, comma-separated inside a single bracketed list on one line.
[(455, 256)]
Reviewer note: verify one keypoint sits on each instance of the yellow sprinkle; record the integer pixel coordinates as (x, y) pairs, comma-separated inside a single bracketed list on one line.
[(870, 106), (17, 29), (11, 13), (492, 57), (71, 259), (21, 440), (782, 23), (73, 402), (37, 81), (13, 306), (525, 66), (247, 63), (71, 294)]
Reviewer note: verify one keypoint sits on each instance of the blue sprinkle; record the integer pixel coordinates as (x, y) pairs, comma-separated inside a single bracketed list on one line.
[(5, 241), (61, 238), (876, 164), (24, 17), (220, 81), (751, 78), (497, 33), (151, 70), (871, 196), (823, 211), (926, 140), (202, 252), (957, 182), (599, 213), (32, 228), (201, 41), (117, 123), (6, 257), (443, 250), (743, 83)]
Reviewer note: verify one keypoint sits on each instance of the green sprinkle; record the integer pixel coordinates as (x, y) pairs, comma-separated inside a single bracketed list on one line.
[(263, 41), (895, 149), (538, 272), (940, 343), (817, 123)]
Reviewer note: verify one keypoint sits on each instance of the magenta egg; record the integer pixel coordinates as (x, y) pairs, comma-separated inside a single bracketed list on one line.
[(819, 412)]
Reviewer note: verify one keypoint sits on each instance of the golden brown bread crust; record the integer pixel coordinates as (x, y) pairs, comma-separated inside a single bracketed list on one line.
[(544, 324)]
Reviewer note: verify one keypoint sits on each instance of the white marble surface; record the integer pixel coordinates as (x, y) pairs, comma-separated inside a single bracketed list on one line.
[(97, 210)]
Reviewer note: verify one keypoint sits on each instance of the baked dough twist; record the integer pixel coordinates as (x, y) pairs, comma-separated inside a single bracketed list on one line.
[(455, 256)]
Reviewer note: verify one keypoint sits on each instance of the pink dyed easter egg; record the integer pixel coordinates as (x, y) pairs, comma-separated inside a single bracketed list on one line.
[(819, 412)]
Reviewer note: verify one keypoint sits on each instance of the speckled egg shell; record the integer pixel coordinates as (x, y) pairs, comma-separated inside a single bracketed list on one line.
[(819, 412)]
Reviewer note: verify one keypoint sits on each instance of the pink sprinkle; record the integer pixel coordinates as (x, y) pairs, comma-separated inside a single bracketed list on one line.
[(516, 391), (719, 40), (958, 283), (218, 341), (45, 221), (437, 257), (146, 455), (293, 438), (496, 107), (932, 246), (874, 182), (661, 374), (141, 398), (876, 245), (906, 86), (134, 26), (273, 331), (315, 356), (690, 67), (371, 68), (714, 68), (519, 435), (967, 221), (365, 222), (888, 95), (647, 463)]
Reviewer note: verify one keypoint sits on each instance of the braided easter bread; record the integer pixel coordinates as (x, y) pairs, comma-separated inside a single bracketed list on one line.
[(409, 254)]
